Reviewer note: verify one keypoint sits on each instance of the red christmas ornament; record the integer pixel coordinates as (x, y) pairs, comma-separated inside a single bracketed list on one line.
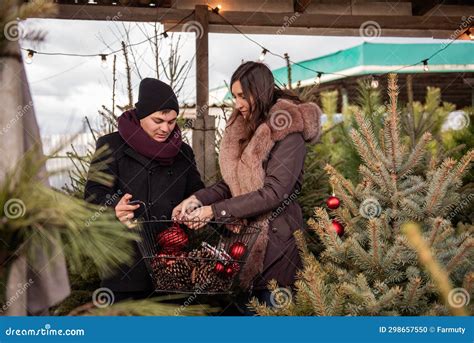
[(333, 202), (237, 250), (219, 267), (338, 227), (172, 239), (229, 271)]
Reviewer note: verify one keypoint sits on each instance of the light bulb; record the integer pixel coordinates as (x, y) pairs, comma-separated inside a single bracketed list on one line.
[(103, 59), (262, 55), (318, 79), (374, 83), (425, 65), (29, 57)]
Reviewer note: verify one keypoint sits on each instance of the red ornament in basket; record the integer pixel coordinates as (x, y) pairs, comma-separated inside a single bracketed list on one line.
[(237, 250), (173, 239)]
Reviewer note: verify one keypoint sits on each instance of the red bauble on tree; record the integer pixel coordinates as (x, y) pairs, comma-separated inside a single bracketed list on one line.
[(333, 202), (338, 227), (237, 250), (173, 239)]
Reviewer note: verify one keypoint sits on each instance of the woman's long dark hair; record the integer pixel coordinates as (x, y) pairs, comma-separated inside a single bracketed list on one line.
[(259, 88)]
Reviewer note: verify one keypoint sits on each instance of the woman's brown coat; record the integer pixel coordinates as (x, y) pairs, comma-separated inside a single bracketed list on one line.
[(264, 182)]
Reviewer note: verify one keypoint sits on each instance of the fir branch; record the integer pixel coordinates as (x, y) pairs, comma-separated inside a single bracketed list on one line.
[(416, 155), (438, 186), (391, 127), (437, 274), (464, 251)]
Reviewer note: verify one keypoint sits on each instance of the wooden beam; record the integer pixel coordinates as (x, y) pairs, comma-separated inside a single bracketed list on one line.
[(301, 5), (127, 13), (316, 24), (271, 23), (421, 7), (204, 140)]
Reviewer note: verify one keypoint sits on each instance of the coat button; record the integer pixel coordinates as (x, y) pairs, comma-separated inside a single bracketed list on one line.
[(170, 172), (150, 204), (274, 229), (150, 172), (223, 212)]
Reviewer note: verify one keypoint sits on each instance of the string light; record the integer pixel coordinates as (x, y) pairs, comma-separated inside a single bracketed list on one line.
[(374, 83), (425, 65), (29, 57), (471, 35), (103, 59), (318, 79), (152, 4), (216, 9)]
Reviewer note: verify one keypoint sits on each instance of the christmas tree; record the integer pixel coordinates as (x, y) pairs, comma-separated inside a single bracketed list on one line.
[(370, 265)]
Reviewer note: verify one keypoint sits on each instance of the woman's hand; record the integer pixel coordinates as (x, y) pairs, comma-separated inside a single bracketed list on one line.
[(124, 211), (186, 206), (199, 217)]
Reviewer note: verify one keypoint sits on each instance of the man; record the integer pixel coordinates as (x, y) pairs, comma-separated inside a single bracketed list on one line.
[(150, 163)]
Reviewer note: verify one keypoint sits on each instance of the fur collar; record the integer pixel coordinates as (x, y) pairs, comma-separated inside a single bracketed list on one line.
[(244, 174)]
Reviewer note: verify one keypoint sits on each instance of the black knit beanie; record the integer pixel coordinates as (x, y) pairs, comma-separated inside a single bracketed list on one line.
[(155, 95)]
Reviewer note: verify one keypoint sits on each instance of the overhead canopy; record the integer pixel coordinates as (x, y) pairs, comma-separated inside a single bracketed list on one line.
[(378, 58)]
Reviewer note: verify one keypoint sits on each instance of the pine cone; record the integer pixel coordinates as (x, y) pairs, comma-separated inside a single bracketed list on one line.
[(204, 276), (180, 273)]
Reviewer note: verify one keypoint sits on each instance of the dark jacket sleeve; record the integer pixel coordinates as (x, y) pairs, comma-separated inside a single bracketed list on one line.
[(193, 181), (217, 192), (97, 191), (283, 170)]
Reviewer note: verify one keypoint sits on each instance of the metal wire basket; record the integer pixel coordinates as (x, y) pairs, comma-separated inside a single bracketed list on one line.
[(203, 261)]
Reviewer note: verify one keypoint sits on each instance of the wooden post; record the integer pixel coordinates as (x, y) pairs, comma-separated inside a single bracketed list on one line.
[(204, 144)]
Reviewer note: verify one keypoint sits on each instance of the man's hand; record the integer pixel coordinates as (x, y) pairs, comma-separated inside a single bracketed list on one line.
[(124, 211)]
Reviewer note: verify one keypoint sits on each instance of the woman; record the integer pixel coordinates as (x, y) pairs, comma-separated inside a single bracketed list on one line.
[(261, 159), (150, 163)]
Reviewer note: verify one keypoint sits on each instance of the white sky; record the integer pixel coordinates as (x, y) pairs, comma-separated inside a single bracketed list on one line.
[(66, 89)]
